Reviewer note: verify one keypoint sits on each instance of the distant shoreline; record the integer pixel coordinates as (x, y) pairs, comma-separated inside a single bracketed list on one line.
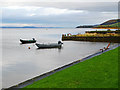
[(105, 28), (32, 27)]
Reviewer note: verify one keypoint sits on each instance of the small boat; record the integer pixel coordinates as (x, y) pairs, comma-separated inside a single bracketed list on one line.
[(105, 48), (51, 45), (28, 41)]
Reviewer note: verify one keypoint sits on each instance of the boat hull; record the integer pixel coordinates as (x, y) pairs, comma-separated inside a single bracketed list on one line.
[(27, 41), (48, 45)]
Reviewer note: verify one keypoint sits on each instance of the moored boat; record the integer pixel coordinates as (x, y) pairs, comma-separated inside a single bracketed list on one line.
[(28, 41), (51, 45)]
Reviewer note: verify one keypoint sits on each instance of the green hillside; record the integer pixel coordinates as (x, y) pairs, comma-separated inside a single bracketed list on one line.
[(115, 25)]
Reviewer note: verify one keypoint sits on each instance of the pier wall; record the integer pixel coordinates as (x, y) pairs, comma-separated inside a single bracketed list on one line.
[(115, 39)]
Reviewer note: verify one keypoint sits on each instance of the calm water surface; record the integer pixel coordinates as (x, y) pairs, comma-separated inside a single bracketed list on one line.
[(20, 63)]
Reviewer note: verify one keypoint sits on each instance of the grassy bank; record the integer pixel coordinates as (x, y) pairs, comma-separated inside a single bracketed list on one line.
[(98, 72)]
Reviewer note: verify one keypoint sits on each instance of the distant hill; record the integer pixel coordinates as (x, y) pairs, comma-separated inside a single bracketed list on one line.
[(114, 23), (110, 22)]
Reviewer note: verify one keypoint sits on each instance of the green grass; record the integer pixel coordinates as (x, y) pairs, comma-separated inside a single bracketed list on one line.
[(98, 72)]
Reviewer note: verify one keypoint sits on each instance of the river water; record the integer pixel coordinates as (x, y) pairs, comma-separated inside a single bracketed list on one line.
[(20, 63)]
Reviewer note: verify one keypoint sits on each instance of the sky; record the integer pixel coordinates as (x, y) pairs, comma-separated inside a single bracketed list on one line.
[(57, 13)]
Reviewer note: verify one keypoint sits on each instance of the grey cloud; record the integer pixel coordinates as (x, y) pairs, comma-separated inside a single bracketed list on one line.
[(89, 6), (71, 19), (94, 13)]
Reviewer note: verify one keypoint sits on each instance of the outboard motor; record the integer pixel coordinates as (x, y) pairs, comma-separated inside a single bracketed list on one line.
[(59, 42), (33, 38)]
